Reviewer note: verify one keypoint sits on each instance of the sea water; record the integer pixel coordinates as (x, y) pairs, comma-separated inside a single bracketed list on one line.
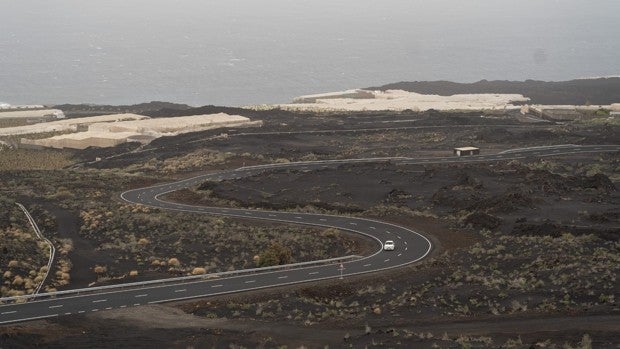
[(239, 52)]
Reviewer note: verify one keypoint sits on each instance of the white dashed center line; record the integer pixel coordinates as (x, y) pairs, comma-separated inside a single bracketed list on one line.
[(55, 306), (183, 290), (141, 295), (214, 286)]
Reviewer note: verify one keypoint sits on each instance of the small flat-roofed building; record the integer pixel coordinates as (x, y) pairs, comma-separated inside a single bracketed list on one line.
[(466, 151)]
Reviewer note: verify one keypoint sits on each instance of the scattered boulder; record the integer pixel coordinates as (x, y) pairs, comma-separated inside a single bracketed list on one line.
[(397, 196), (465, 179), (510, 200), (599, 182), (482, 220), (458, 197)]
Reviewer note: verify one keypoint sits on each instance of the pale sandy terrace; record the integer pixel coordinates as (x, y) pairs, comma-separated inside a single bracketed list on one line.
[(402, 100), (171, 126), (82, 140), (108, 134), (66, 124), (26, 114)]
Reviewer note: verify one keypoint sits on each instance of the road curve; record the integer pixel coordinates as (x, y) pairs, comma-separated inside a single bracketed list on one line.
[(410, 245)]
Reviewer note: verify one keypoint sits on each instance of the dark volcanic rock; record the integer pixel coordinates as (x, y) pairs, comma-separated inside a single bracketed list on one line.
[(481, 220), (397, 196), (599, 182), (495, 135), (548, 228)]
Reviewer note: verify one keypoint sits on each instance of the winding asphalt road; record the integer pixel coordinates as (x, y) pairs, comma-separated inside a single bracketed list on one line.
[(410, 245)]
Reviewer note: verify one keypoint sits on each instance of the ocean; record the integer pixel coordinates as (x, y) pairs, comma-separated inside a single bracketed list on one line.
[(240, 52)]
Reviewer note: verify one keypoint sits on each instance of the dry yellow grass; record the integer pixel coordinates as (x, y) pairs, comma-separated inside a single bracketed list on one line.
[(199, 271), (24, 159), (174, 262)]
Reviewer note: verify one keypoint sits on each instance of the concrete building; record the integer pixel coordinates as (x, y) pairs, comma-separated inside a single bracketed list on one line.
[(466, 151)]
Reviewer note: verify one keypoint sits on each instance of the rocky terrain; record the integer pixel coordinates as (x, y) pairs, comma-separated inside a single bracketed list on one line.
[(525, 251)]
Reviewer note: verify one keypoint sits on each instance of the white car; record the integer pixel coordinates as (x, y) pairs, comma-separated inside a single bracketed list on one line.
[(388, 245)]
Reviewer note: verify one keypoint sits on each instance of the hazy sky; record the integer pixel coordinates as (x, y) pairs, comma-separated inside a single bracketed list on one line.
[(249, 51)]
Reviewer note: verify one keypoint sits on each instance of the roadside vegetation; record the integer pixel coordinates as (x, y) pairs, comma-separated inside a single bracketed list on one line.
[(501, 275), (148, 240), (136, 242), (516, 240), (24, 159), (23, 257)]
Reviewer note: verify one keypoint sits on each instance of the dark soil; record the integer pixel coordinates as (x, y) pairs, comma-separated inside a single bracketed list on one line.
[(496, 197), (84, 254), (499, 232)]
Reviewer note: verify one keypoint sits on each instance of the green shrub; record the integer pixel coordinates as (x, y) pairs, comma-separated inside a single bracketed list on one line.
[(276, 254)]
